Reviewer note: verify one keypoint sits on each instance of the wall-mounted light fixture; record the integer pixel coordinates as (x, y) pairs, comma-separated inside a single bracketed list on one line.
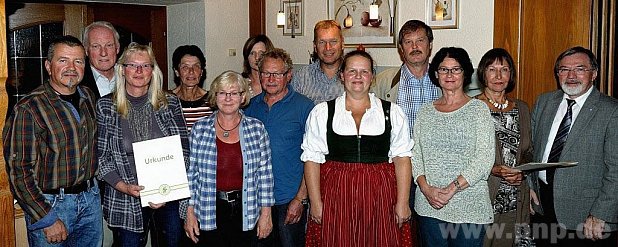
[(348, 21), (373, 11), (280, 15)]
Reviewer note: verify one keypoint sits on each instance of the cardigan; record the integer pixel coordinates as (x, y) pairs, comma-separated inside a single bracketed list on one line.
[(119, 209)]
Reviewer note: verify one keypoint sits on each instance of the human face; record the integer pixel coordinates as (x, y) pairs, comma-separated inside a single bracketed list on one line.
[(66, 69), (416, 48), (255, 54), (229, 99), (574, 85), (357, 75), (271, 83), (138, 77), (189, 71), (329, 45), (102, 49), (453, 79), (497, 76)]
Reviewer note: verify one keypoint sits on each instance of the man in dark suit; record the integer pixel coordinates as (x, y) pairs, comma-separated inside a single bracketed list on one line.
[(102, 46), (579, 205)]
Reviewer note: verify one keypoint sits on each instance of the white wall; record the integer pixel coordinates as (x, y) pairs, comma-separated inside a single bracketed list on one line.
[(475, 33), (226, 26), (185, 26)]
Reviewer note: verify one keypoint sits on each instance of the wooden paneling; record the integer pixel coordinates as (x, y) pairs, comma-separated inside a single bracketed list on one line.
[(506, 31), (7, 221), (30, 14), (535, 33), (257, 17), (75, 18), (547, 29)]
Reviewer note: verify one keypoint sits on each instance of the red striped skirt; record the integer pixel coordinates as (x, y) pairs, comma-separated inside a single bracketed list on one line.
[(359, 207)]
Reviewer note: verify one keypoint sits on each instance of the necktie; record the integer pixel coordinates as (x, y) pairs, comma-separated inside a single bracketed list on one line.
[(560, 140)]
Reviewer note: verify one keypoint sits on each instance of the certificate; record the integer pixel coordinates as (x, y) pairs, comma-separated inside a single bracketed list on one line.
[(161, 170), (542, 166)]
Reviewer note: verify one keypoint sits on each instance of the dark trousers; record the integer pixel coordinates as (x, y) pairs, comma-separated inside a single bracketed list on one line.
[(229, 231), (547, 232), (285, 235), (164, 224)]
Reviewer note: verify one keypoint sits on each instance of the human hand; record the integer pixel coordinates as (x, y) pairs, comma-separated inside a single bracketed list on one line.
[(295, 211), (435, 196), (129, 189), (593, 228), (156, 205), (265, 223), (510, 175), (402, 213), (316, 211), (533, 199), (192, 228), (56, 233)]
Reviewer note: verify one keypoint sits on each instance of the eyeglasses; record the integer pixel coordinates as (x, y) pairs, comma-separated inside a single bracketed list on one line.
[(224, 95), (454, 71), (133, 66), (578, 71), (274, 75), (501, 70)]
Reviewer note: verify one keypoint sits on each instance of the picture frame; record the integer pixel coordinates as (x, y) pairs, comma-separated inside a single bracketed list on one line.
[(443, 14), (294, 18), (357, 28)]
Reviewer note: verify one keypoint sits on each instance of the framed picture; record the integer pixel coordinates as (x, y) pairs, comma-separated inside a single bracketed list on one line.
[(443, 14), (294, 18), (356, 25)]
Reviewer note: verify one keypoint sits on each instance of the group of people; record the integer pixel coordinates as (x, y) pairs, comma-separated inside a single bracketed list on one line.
[(330, 154)]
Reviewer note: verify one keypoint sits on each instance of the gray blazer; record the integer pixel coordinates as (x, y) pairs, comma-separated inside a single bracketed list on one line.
[(590, 188)]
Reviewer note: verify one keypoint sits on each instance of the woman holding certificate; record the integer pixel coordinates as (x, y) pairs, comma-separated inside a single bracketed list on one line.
[(508, 190), (230, 173), (137, 110)]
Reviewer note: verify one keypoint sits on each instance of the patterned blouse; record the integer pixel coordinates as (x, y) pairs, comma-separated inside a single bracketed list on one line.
[(507, 132)]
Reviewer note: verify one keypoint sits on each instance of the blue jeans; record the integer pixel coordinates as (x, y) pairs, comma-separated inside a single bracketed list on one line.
[(438, 233), (81, 215), (164, 223), (290, 235)]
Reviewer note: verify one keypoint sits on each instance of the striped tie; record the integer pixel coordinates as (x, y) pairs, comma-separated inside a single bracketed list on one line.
[(560, 140)]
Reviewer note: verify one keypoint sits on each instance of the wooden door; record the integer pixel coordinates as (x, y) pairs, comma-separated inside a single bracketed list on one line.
[(7, 225), (535, 33)]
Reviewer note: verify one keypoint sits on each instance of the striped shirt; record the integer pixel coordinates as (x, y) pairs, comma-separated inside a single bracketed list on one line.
[(311, 81), (257, 185), (48, 144), (413, 93), (195, 110)]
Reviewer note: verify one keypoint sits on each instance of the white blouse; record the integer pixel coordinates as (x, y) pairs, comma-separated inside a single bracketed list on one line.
[(314, 141)]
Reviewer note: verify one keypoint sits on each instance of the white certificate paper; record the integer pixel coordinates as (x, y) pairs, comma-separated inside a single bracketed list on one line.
[(161, 170)]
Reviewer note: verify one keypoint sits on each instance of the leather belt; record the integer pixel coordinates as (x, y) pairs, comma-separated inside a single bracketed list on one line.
[(75, 189), (229, 196)]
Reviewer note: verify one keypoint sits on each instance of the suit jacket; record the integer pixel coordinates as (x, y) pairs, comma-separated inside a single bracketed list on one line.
[(90, 82), (590, 187)]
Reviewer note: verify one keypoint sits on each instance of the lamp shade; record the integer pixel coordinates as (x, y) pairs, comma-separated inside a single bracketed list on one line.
[(280, 18), (373, 12)]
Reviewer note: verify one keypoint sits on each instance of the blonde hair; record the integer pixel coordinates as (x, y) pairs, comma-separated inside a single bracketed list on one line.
[(156, 95), (227, 79)]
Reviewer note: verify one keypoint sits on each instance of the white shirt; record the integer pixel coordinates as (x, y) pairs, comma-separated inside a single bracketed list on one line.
[(562, 109), (314, 141), (104, 85)]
